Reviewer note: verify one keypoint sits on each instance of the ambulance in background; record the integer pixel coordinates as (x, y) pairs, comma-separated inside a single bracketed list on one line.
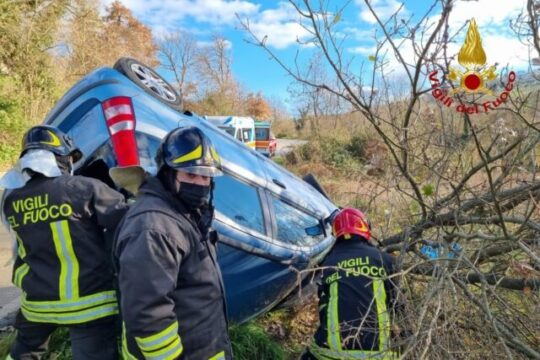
[(242, 128), (265, 141)]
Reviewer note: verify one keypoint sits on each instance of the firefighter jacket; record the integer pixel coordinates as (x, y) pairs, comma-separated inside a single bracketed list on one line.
[(63, 258), (356, 303), (172, 296)]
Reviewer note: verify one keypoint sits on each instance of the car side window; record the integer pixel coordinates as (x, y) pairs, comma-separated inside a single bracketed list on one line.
[(239, 202), (239, 135), (293, 225), (247, 134)]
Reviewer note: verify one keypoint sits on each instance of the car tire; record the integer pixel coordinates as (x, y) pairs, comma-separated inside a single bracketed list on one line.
[(149, 80)]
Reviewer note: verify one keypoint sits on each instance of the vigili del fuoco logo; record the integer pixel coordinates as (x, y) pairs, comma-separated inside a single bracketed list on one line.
[(471, 82)]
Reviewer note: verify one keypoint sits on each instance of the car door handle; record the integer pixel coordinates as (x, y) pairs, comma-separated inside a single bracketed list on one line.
[(257, 251), (279, 183)]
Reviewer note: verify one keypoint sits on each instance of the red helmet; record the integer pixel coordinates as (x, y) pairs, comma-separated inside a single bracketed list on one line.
[(349, 222)]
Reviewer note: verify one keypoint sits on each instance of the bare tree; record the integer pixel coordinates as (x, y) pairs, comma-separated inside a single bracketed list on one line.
[(315, 103), (220, 93), (215, 64), (180, 53), (462, 207), (526, 27)]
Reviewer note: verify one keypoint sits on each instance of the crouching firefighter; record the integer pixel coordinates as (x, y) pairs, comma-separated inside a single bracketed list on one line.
[(63, 261), (356, 295), (171, 292)]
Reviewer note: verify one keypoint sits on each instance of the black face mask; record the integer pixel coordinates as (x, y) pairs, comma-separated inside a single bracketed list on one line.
[(194, 196)]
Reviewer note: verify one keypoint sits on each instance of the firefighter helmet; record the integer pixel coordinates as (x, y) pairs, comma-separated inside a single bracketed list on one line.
[(49, 138), (190, 150), (350, 221)]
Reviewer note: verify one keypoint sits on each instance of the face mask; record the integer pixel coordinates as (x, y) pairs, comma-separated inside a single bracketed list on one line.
[(194, 196)]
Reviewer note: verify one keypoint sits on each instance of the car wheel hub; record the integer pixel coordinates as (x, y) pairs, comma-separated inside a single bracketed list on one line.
[(154, 83)]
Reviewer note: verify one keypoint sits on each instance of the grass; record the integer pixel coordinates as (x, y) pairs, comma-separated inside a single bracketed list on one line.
[(249, 341), (59, 345), (5, 341)]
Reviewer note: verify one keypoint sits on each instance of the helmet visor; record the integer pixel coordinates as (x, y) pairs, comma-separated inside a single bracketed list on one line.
[(209, 171)]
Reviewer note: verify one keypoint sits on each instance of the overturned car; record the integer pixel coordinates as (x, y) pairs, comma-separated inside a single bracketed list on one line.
[(271, 224)]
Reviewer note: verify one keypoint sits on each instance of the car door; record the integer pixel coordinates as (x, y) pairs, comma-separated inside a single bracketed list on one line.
[(296, 204), (256, 269)]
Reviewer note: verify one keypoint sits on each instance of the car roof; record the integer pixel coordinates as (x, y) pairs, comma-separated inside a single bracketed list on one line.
[(157, 119)]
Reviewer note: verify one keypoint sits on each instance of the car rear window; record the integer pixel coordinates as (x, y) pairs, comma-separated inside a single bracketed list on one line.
[(147, 146), (239, 202), (293, 225), (90, 130)]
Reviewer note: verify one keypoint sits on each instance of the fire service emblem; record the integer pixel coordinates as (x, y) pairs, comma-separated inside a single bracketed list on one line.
[(467, 85)]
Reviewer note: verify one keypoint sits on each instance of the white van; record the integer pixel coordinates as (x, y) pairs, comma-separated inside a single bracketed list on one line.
[(242, 128)]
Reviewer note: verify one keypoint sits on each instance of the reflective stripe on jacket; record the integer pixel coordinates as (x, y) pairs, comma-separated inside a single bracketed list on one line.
[(171, 292), (63, 258), (356, 303)]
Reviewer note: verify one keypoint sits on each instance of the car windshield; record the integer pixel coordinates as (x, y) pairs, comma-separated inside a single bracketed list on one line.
[(262, 133), (228, 130)]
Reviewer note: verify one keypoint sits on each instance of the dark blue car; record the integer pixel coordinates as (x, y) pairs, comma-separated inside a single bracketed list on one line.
[(271, 223)]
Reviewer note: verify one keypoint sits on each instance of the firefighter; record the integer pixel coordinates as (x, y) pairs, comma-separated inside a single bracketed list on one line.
[(63, 262), (356, 295), (172, 294)]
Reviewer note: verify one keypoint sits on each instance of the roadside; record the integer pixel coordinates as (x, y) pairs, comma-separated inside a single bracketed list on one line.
[(285, 146)]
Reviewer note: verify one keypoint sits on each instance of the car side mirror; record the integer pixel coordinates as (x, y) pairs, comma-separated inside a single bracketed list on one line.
[(315, 230)]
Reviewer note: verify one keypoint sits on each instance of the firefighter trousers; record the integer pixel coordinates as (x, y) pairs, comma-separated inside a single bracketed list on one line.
[(95, 340)]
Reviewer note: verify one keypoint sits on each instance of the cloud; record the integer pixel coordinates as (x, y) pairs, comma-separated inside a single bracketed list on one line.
[(383, 8), (492, 17), (487, 13), (281, 26), (169, 13), (359, 34), (207, 44), (363, 50)]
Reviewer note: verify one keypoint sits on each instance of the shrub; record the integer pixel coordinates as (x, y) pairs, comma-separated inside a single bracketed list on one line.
[(12, 127), (59, 345), (326, 150), (356, 147)]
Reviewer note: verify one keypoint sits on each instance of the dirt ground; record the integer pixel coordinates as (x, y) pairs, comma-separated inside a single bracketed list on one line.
[(8, 293)]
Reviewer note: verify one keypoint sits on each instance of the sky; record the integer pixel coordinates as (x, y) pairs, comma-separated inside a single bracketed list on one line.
[(279, 21)]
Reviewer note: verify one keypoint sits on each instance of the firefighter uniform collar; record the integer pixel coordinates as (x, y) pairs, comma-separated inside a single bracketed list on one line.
[(39, 161)]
